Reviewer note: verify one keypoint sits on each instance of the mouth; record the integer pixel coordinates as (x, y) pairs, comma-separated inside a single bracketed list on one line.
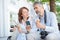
[(37, 12)]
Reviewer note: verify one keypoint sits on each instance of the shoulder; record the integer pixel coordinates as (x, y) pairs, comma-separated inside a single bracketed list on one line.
[(51, 14)]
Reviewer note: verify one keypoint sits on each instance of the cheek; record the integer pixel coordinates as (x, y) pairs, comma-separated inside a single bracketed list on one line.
[(36, 10), (25, 15), (42, 11)]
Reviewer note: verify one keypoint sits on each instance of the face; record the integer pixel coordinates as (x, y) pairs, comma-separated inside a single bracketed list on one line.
[(25, 13), (39, 9)]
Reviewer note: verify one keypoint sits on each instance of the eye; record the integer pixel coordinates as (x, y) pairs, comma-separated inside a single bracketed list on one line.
[(35, 8)]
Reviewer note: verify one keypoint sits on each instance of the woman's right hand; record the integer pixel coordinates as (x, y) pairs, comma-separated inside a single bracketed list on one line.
[(19, 28)]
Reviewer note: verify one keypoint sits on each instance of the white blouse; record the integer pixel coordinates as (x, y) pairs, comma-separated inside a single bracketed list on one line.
[(22, 36)]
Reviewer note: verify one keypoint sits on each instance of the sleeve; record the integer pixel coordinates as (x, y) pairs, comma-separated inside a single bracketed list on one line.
[(53, 24), (33, 25), (33, 29)]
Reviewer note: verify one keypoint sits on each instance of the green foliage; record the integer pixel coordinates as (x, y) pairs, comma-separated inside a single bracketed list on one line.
[(58, 8), (58, 12), (58, 0), (45, 1), (31, 0)]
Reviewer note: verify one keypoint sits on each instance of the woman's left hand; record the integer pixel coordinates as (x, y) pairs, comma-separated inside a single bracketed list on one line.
[(28, 28)]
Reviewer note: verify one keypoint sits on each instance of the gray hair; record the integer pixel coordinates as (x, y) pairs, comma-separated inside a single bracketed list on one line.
[(39, 3)]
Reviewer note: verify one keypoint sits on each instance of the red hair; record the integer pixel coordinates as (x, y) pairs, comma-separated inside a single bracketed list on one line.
[(20, 13)]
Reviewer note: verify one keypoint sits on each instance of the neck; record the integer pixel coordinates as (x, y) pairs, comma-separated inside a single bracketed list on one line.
[(42, 15), (25, 19)]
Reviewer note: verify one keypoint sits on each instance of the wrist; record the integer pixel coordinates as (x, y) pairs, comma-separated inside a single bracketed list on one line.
[(44, 27)]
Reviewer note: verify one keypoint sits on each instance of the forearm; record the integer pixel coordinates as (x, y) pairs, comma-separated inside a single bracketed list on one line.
[(52, 29)]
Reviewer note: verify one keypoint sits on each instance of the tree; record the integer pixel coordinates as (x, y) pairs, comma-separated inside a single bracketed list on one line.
[(52, 6)]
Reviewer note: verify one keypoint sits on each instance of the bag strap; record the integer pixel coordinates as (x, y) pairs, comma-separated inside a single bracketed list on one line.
[(45, 17)]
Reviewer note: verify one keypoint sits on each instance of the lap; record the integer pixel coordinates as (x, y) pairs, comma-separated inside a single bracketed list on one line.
[(36, 36), (52, 36), (33, 36)]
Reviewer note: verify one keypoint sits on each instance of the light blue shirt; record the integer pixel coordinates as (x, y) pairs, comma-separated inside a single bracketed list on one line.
[(51, 22)]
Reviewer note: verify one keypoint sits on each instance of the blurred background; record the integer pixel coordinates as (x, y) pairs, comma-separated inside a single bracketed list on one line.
[(9, 10)]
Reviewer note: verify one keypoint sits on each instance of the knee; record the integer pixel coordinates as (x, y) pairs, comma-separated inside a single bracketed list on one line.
[(52, 37), (33, 36), (30, 37)]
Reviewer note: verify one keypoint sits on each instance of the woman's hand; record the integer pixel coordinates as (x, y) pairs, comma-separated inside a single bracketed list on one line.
[(19, 28), (28, 28)]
